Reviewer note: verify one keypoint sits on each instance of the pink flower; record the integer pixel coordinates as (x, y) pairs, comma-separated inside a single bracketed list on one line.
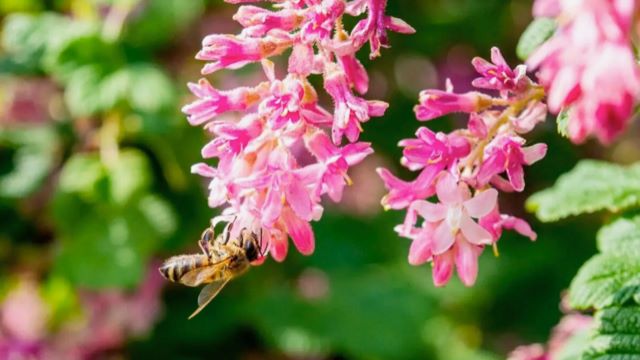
[(350, 110), (374, 27), (264, 174), (507, 154), (452, 232), (436, 103), (454, 213), (575, 66), (433, 150), (498, 75), (233, 52), (335, 162), (212, 102)]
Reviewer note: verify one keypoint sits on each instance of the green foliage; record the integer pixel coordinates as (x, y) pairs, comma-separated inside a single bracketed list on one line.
[(621, 236), (591, 186), (164, 20), (535, 35), (617, 334), (108, 221), (607, 279), (25, 38), (609, 283), (33, 154)]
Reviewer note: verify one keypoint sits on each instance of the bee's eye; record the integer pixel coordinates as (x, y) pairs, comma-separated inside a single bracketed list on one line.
[(207, 235), (251, 250)]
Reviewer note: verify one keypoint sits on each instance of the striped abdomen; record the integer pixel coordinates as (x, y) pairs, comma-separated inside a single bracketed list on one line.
[(175, 268)]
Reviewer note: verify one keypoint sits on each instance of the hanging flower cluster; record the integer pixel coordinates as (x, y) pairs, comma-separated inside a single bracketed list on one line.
[(464, 168), (276, 162), (589, 66)]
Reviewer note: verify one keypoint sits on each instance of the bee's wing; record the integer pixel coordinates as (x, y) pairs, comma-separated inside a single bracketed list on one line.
[(197, 277), (207, 294)]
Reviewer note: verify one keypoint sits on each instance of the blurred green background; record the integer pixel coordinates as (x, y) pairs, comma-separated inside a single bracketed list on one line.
[(95, 190)]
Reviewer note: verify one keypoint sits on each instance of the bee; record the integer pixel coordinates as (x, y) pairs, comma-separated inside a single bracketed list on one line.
[(223, 258)]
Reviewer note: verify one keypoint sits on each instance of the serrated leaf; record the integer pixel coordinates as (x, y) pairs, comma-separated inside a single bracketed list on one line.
[(617, 335), (604, 280), (535, 35), (621, 236), (589, 187)]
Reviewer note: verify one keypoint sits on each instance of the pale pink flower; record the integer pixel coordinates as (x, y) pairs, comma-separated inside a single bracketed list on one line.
[(575, 66), (463, 169)]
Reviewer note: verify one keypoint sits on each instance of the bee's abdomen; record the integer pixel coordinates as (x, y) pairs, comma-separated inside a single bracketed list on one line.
[(176, 267)]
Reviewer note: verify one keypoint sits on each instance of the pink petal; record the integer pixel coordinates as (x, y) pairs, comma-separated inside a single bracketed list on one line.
[(515, 172), (442, 268), (534, 153), (442, 238), (272, 207), (205, 170), (278, 247), (467, 262), (519, 225), (473, 232), (419, 252), (299, 199), (448, 190), (481, 204), (429, 211), (300, 232)]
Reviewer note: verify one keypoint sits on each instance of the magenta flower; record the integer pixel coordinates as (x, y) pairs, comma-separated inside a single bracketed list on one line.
[(264, 174), (234, 52), (575, 66), (497, 75), (436, 103), (507, 154), (463, 169)]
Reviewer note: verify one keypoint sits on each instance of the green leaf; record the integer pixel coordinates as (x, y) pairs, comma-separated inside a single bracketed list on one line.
[(82, 94), (535, 35), (622, 236), (107, 221), (591, 186), (563, 122), (163, 20), (82, 45), (143, 87), (26, 37), (606, 279), (128, 176), (82, 174), (33, 159), (617, 336)]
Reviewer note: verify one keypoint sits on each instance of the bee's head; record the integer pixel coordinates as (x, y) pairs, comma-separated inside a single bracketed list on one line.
[(251, 245)]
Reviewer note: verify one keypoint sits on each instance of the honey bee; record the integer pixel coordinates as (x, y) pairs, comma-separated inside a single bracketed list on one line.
[(222, 260)]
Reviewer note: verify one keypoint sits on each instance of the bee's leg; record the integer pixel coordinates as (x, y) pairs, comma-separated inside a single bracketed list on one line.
[(205, 246)]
